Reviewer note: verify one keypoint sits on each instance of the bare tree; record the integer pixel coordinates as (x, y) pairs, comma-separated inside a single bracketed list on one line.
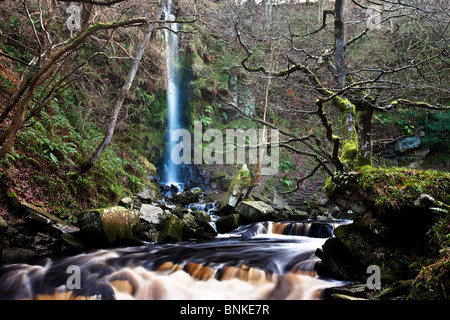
[(342, 89), (51, 61)]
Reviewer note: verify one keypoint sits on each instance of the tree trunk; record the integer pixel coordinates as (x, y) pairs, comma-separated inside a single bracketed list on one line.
[(87, 165), (339, 41), (348, 129), (364, 130)]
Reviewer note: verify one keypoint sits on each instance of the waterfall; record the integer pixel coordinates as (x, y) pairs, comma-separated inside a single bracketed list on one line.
[(170, 171)]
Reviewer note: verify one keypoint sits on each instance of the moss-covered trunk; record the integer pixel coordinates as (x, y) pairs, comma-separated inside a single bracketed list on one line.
[(364, 131), (348, 129)]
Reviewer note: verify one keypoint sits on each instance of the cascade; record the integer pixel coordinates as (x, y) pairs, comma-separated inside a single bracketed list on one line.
[(170, 171), (234, 266)]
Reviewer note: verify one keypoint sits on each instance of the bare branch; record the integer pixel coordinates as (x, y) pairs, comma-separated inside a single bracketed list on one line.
[(97, 3), (14, 58), (303, 179), (408, 103)]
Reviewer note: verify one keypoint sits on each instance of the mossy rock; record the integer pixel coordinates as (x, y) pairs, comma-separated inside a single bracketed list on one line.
[(173, 229), (239, 189), (13, 200), (147, 165), (108, 224), (38, 214), (375, 244)]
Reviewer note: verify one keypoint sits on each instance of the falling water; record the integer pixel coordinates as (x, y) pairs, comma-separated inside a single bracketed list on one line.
[(171, 171)]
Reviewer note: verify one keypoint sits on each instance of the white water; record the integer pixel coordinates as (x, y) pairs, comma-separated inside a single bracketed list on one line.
[(240, 266)]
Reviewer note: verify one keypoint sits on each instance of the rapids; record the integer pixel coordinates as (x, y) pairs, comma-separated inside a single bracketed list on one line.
[(251, 263)]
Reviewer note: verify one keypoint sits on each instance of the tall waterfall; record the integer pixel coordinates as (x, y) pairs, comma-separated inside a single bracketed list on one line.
[(170, 171)]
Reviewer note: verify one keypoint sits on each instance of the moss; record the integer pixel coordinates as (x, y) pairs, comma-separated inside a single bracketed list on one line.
[(14, 201), (348, 130), (349, 151), (432, 281), (172, 231), (118, 222), (240, 187), (147, 165), (396, 187)]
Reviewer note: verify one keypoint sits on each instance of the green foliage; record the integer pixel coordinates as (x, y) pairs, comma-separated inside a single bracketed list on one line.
[(395, 187), (286, 182), (437, 129), (392, 188), (286, 164)]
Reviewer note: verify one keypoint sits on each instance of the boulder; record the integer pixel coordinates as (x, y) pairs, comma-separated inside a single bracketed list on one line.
[(297, 215), (407, 144), (259, 197), (239, 189), (219, 179), (228, 223), (206, 229), (278, 201), (126, 202), (108, 225), (391, 242), (148, 195), (172, 230), (69, 244), (187, 196), (253, 211), (40, 217), (151, 214)]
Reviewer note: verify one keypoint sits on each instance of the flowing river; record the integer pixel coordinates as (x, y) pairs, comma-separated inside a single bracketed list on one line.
[(259, 261)]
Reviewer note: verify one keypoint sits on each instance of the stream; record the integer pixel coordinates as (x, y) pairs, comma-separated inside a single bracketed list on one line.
[(258, 261)]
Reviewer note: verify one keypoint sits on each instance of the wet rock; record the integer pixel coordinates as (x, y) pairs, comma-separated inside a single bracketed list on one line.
[(391, 241), (187, 196), (338, 262), (253, 211), (206, 227), (69, 244), (228, 223), (16, 255), (297, 215), (108, 225)]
